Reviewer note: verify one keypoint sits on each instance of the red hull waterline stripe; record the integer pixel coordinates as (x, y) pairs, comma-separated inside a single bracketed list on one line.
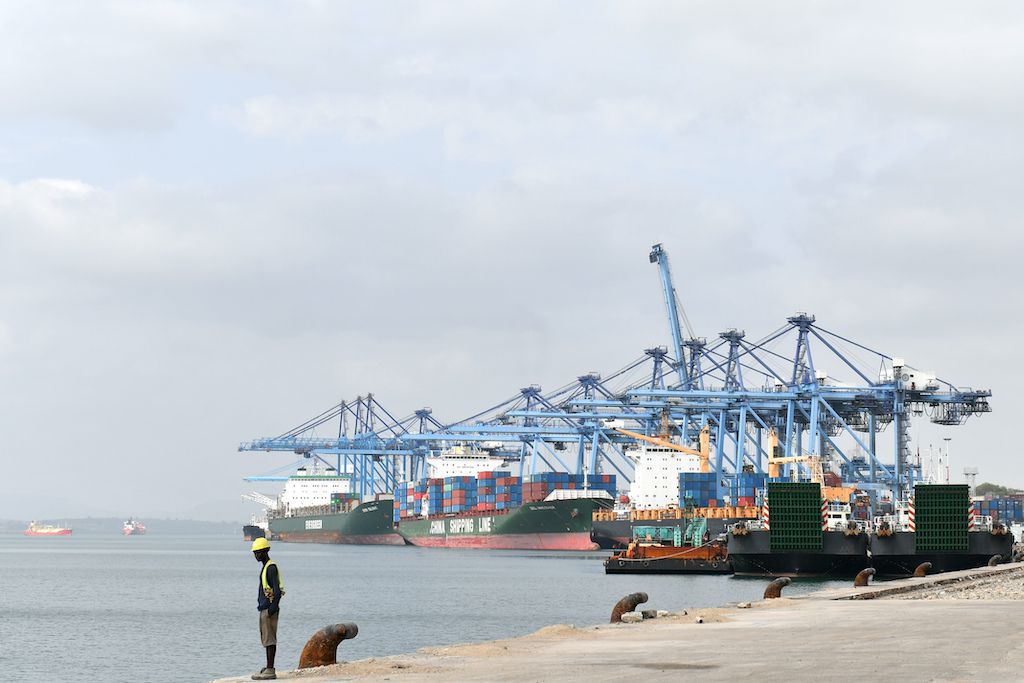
[(567, 541), (334, 537)]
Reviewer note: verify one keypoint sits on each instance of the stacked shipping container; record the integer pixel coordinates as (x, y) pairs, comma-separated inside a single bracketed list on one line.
[(409, 499), (698, 489), (1005, 510), (744, 488), (537, 487), (498, 491), (459, 494)]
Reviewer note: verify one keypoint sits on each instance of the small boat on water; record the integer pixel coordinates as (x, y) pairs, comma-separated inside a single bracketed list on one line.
[(37, 529), (670, 550), (133, 527)]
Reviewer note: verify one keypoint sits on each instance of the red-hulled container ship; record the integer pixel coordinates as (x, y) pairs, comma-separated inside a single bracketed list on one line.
[(133, 527), (552, 511), (36, 529)]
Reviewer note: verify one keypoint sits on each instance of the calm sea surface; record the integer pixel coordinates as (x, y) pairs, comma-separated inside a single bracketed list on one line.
[(183, 608)]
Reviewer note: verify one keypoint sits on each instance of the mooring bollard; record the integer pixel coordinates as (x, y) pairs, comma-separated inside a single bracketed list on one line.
[(923, 569), (627, 604), (322, 648), (863, 577), (995, 560), (774, 589)]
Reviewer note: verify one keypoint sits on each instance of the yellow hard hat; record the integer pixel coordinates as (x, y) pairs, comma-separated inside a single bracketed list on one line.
[(260, 544)]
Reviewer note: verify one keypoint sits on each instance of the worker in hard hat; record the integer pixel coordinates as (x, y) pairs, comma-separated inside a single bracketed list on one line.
[(268, 603)]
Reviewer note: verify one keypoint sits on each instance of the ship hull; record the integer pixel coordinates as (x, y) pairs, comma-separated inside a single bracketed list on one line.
[(616, 534), (367, 524), (548, 525), (840, 555), (896, 555), (666, 566), (711, 558), (250, 532), (61, 532)]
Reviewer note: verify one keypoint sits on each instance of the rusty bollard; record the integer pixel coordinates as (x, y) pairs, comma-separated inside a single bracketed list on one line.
[(322, 648), (923, 569), (627, 604), (995, 560), (774, 589), (863, 577)]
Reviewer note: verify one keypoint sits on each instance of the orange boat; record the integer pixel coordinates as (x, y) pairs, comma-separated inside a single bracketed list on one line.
[(35, 529), (670, 550)]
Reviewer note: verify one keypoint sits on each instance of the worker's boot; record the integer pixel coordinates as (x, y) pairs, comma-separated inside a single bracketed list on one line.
[(265, 674)]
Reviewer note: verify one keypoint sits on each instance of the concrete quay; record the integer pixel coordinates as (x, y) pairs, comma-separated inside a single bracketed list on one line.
[(883, 631)]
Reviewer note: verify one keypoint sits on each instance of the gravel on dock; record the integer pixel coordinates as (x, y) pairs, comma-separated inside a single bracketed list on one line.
[(1003, 586)]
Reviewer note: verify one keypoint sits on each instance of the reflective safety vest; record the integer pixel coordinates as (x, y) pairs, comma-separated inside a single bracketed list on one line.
[(267, 590)]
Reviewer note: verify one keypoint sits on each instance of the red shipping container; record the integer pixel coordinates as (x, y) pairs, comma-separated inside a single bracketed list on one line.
[(712, 503)]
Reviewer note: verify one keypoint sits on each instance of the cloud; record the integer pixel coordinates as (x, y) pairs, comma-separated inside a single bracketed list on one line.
[(216, 219)]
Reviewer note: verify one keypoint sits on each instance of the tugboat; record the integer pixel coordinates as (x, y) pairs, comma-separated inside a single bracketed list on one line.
[(667, 550), (133, 527)]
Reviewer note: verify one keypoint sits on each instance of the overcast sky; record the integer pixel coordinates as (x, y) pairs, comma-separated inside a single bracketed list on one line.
[(219, 218)]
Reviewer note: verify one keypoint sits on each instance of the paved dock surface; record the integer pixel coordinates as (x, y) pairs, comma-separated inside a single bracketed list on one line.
[(801, 639)]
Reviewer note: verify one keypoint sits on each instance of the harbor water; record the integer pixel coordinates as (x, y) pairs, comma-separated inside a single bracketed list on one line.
[(173, 608)]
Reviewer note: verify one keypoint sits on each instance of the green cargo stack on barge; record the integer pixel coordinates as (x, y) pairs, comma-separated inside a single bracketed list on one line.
[(938, 525), (794, 541)]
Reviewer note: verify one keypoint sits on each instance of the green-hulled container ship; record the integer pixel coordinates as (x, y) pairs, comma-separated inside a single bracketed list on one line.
[(317, 506)]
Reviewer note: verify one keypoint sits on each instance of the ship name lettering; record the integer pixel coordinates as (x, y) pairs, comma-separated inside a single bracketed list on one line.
[(314, 524), (460, 526), (369, 509), (437, 527), (485, 524)]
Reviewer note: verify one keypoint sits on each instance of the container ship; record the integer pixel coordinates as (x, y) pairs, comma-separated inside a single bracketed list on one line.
[(256, 528), (940, 525), (133, 527), (318, 506), (490, 508), (36, 529)]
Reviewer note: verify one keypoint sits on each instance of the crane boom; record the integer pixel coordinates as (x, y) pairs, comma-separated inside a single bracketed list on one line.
[(676, 314), (703, 453)]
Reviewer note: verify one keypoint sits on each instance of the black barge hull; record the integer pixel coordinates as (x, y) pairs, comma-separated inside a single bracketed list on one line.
[(840, 556), (896, 555)]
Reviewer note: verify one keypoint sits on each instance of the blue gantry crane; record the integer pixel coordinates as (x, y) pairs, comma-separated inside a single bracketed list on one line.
[(759, 400)]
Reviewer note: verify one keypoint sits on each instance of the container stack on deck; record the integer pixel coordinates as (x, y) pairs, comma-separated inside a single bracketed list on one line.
[(435, 496), (537, 487), (498, 491), (409, 499), (1005, 510), (459, 494), (343, 500), (698, 489), (744, 488)]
